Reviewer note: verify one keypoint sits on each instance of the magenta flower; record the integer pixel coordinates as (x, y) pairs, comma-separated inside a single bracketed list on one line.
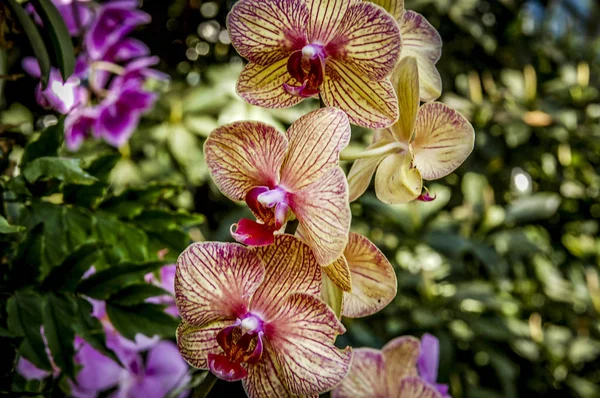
[(428, 363), (342, 50), (76, 14), (253, 314), (387, 373), (278, 174), (167, 282)]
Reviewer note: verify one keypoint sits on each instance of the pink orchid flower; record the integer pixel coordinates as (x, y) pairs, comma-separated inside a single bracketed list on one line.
[(387, 373), (427, 142), (342, 50), (278, 174), (253, 314)]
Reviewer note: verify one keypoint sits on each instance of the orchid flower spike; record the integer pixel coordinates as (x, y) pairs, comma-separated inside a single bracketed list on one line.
[(278, 174), (341, 50), (427, 142), (253, 314), (387, 373)]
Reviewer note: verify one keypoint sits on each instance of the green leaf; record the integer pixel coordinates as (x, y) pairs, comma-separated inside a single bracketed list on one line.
[(125, 242), (29, 259), (67, 276), (35, 39), (63, 169), (136, 294), (25, 318), (160, 219), (59, 320), (47, 144), (536, 207), (54, 26), (147, 319), (105, 283), (135, 200), (90, 195), (6, 228)]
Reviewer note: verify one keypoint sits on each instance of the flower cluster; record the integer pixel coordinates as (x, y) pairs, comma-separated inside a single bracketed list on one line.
[(96, 103), (267, 310)]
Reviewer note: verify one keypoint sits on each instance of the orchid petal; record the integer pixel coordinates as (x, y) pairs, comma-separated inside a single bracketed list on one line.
[(315, 141), (368, 103), (165, 364), (196, 343), (263, 379), (396, 181), (369, 39), (116, 123), (252, 233), (400, 356), (422, 41), (374, 282), (332, 295), (98, 372), (394, 7), (339, 273), (302, 338), (323, 211), (415, 387), (214, 281), (362, 170), (443, 140), (265, 32), (429, 358), (243, 155), (289, 267), (366, 378), (408, 99), (263, 85), (325, 18)]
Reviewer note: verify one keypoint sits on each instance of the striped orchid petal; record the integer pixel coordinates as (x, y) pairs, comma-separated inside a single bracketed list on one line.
[(243, 155), (368, 39), (325, 18), (415, 387), (394, 7), (339, 273), (368, 103), (408, 99), (214, 281), (396, 180), (400, 356), (323, 212), (315, 141), (374, 282), (366, 378), (265, 32), (360, 174), (264, 379), (443, 140), (196, 343), (422, 41)]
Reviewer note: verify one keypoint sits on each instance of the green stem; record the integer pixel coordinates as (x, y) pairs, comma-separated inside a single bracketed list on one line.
[(204, 388), (392, 147)]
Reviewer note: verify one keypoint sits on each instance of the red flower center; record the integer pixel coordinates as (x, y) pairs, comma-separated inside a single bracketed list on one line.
[(307, 66)]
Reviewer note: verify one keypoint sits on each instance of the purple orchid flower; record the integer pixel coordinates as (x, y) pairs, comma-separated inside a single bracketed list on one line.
[(167, 282), (429, 361), (76, 14)]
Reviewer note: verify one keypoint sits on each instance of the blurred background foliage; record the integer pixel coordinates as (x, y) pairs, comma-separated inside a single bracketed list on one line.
[(503, 266)]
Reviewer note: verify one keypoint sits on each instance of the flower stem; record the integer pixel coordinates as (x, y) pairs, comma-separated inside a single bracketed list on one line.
[(108, 66), (392, 147), (204, 388)]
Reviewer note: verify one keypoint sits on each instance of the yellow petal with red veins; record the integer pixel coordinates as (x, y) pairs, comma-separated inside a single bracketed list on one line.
[(368, 103), (394, 7), (214, 281), (325, 18), (339, 273), (302, 339), (195, 343), (265, 32), (315, 142), (400, 356), (396, 181), (443, 140), (366, 378), (360, 174), (407, 75), (263, 85), (374, 282), (416, 387), (332, 295), (323, 211), (264, 378), (243, 155)]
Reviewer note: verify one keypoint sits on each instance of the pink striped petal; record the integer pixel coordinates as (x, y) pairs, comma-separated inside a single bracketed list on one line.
[(196, 343), (374, 282), (396, 180), (325, 18), (415, 387), (289, 267), (369, 39), (264, 85), (265, 32), (394, 7), (443, 140), (214, 281), (366, 378), (368, 103), (302, 338), (264, 378), (422, 41), (315, 142), (243, 155), (407, 76), (400, 356), (323, 211)]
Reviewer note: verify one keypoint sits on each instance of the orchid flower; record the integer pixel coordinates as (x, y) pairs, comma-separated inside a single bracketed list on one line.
[(387, 373), (253, 314), (427, 142), (365, 276), (277, 173), (421, 41), (429, 361), (342, 50), (77, 14), (167, 282)]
